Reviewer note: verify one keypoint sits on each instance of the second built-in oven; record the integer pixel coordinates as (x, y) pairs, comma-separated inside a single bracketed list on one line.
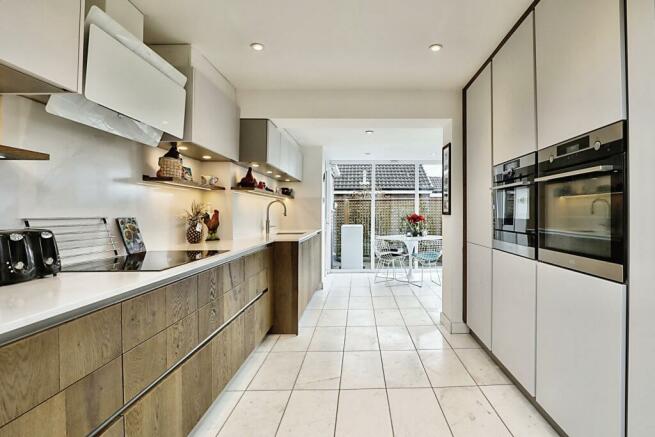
[(514, 206), (582, 195)]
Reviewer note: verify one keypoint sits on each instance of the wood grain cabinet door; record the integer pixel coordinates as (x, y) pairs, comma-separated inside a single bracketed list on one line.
[(196, 392), (88, 343), (181, 299), (29, 374), (143, 317), (210, 317), (249, 331), (210, 285), (220, 373), (143, 364), (48, 419), (181, 338), (233, 274), (235, 299)]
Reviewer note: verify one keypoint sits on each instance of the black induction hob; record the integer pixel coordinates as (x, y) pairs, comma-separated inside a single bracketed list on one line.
[(150, 261)]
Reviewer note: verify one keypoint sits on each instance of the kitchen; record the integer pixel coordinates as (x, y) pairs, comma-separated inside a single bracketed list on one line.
[(548, 121)]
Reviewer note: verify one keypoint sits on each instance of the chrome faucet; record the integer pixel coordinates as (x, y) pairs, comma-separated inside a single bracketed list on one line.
[(268, 215)]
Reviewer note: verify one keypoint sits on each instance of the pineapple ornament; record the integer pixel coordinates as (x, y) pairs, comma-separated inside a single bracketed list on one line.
[(196, 230)]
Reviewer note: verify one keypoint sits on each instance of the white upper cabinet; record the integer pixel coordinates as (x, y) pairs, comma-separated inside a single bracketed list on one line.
[(273, 149), (581, 341), (212, 115), (514, 315), (41, 38), (274, 145), (478, 292), (514, 116), (478, 160), (580, 67)]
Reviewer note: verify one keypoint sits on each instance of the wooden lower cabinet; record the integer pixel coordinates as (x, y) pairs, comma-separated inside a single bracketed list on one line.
[(196, 391), (181, 338), (143, 317), (48, 419), (143, 364)]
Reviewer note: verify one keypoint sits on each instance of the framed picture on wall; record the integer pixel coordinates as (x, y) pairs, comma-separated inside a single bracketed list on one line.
[(445, 179)]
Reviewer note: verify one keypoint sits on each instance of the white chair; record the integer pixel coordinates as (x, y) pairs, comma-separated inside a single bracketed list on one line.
[(427, 256), (387, 258)]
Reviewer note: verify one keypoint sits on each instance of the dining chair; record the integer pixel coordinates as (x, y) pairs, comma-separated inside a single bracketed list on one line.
[(427, 255), (388, 258)]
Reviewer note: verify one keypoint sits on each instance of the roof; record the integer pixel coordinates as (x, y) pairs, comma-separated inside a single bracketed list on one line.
[(388, 177)]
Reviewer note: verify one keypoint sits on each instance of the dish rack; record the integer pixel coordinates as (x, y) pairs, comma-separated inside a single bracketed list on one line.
[(79, 239)]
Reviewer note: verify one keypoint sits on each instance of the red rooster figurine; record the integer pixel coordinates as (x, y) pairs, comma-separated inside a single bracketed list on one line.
[(212, 225)]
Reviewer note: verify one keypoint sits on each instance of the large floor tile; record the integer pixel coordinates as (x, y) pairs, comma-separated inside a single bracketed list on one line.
[(310, 413), (522, 419), (294, 343), (360, 291), (334, 302), (363, 413), (381, 291), (444, 368), (214, 419), (384, 302), (362, 370), (403, 369), (390, 317), (339, 293), (278, 372), (247, 372), (320, 370), (361, 318), (469, 414), (416, 317), (359, 281), (458, 341), (332, 318), (416, 413), (257, 414), (328, 339), (430, 302), (309, 318), (394, 338), (360, 303), (407, 302), (317, 302), (481, 367), (427, 337), (267, 343), (361, 339)]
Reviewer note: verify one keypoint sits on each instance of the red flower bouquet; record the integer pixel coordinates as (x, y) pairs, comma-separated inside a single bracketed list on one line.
[(415, 224)]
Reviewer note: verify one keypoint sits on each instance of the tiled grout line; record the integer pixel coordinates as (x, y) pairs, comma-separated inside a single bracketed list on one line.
[(495, 411), (343, 354)]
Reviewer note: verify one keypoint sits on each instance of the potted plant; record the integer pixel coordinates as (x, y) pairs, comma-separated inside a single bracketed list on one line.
[(415, 224), (194, 218)]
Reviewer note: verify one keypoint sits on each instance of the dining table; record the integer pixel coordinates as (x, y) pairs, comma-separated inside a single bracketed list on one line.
[(411, 243)]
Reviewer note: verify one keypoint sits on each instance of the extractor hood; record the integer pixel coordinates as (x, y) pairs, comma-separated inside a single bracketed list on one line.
[(129, 90)]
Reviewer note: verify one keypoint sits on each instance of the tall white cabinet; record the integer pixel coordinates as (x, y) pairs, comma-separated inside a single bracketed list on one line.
[(514, 102), (514, 315), (478, 205), (580, 67), (581, 344)]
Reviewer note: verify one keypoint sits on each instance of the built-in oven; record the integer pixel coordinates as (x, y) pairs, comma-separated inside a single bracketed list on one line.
[(514, 206), (582, 203)]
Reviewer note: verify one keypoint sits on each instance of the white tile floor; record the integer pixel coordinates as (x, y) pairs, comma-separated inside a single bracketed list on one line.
[(371, 360)]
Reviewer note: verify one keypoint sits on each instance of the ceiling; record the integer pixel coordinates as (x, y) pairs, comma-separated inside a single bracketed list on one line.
[(391, 139), (337, 44)]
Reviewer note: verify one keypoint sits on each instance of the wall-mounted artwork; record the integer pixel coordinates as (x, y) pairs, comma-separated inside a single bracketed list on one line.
[(445, 177), (131, 234)]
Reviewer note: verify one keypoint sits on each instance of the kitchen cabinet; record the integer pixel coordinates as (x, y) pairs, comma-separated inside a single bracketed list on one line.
[(143, 317), (478, 300), (271, 149), (211, 123), (41, 38), (581, 345), (124, 12), (514, 105), (478, 160), (580, 67), (513, 315)]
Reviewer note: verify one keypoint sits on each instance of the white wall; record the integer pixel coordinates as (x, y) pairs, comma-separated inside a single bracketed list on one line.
[(641, 155), (387, 105), (305, 209), (90, 173)]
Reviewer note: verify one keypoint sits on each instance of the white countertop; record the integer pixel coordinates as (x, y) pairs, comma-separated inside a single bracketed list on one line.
[(32, 306)]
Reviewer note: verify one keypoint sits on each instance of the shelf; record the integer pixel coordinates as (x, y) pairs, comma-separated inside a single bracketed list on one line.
[(14, 154), (181, 183), (260, 192)]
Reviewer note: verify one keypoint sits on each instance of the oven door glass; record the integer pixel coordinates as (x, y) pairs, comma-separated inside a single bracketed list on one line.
[(583, 215), (514, 209)]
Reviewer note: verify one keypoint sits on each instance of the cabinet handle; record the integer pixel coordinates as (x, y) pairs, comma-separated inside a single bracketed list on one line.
[(595, 169)]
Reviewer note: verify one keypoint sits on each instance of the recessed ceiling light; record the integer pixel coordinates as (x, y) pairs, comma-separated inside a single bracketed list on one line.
[(254, 164), (368, 132), (257, 46), (435, 47), (182, 148), (206, 157), (269, 172)]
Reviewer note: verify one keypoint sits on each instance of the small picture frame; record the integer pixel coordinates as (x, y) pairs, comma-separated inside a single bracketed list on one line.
[(187, 174), (445, 178), (131, 235)]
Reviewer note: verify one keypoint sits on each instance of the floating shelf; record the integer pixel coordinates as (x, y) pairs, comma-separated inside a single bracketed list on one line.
[(260, 192), (181, 183), (14, 154)]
